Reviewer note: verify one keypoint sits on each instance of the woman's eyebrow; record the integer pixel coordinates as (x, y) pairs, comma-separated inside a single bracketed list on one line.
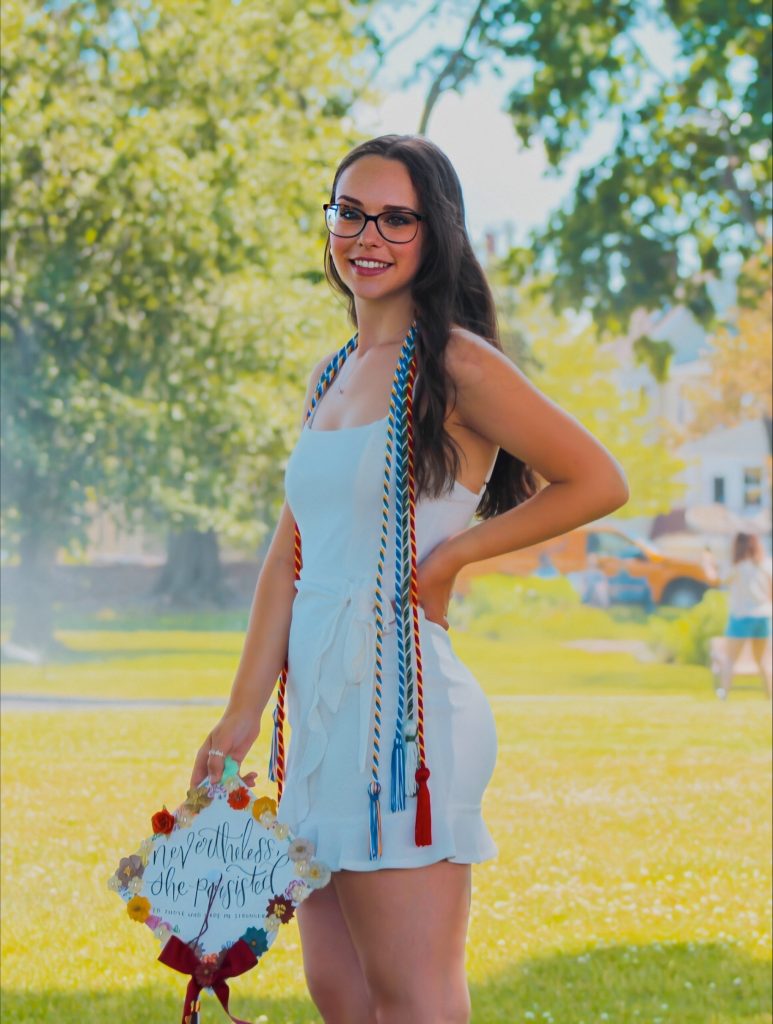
[(356, 202)]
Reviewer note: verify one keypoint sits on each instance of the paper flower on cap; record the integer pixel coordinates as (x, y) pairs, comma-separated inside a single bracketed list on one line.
[(264, 806), (239, 798), (130, 867), (300, 849), (138, 909), (297, 891), (282, 907), (257, 940), (317, 875), (162, 932), (197, 799), (162, 822), (184, 816), (145, 850)]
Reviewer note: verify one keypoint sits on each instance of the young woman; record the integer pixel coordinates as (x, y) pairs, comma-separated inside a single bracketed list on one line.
[(749, 592), (391, 751)]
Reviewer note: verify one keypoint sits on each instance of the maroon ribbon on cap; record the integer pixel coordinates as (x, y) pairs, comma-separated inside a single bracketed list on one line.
[(180, 957)]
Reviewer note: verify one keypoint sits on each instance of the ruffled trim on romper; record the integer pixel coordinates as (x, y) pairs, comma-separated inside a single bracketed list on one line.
[(461, 838), (459, 834)]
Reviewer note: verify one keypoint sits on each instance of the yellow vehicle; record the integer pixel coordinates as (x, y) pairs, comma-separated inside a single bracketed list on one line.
[(635, 571)]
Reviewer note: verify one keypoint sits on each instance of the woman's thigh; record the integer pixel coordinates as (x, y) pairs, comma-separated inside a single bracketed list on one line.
[(733, 648), (409, 926), (760, 650), (333, 972)]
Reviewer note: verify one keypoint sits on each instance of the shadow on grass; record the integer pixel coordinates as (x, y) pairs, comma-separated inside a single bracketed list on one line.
[(146, 1005), (666, 983), (659, 983)]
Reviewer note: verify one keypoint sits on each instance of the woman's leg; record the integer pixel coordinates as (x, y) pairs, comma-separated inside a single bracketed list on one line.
[(333, 972), (761, 654), (733, 648), (409, 926)]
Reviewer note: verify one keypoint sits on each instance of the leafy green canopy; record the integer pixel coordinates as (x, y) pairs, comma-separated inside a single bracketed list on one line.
[(163, 168), (687, 181)]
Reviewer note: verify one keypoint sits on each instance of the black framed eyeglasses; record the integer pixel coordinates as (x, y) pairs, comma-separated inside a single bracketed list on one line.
[(396, 226)]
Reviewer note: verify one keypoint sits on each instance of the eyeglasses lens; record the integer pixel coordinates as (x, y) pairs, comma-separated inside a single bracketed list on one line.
[(393, 225)]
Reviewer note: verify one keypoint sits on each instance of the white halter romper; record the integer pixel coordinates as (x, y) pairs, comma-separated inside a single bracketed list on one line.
[(334, 488)]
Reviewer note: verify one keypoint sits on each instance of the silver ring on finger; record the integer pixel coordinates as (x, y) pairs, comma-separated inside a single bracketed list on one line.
[(216, 753)]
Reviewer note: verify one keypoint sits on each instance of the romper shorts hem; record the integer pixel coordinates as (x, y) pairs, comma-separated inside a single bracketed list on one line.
[(748, 627), (461, 838)]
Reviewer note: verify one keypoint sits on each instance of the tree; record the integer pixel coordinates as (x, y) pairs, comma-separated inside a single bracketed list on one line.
[(162, 171), (569, 364), (687, 181), (739, 382)]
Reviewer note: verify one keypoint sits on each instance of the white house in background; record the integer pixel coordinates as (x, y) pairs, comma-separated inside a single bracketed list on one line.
[(729, 466)]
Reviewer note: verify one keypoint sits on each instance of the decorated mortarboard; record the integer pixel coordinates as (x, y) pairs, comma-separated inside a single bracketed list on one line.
[(215, 882)]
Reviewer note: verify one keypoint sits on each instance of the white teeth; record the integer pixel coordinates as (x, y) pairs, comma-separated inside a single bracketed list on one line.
[(369, 263)]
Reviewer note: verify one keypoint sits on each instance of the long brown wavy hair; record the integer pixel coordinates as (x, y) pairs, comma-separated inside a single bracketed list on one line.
[(747, 545), (449, 289)]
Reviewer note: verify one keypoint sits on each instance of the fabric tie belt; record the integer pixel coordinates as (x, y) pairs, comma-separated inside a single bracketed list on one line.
[(344, 630)]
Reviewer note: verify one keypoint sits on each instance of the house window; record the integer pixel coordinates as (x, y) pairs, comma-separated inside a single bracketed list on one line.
[(752, 487), (719, 490)]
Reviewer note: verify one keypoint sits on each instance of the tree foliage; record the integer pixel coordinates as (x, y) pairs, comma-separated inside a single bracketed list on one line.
[(687, 181), (739, 383), (582, 376), (162, 170), (163, 167)]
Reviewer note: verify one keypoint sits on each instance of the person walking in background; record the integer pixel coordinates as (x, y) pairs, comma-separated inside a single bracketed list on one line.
[(595, 584), (750, 591)]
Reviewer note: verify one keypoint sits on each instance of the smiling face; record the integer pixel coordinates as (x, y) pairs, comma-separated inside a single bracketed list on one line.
[(371, 267)]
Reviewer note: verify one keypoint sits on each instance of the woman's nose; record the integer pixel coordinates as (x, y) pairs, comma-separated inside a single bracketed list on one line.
[(370, 234)]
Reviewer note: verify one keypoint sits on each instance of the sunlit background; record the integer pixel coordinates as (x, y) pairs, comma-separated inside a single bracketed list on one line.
[(163, 302)]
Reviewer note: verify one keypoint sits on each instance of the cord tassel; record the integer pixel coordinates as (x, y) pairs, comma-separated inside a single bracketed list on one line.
[(374, 789), (397, 802), (423, 809), (274, 756), (411, 758)]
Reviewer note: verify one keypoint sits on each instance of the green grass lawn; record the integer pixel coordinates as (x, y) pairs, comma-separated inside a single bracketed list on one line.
[(173, 663), (631, 811)]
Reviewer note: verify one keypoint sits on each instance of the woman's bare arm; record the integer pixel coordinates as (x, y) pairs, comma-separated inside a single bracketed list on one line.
[(497, 401), (265, 643)]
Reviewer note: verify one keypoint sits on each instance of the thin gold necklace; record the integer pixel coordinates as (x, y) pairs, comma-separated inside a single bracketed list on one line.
[(342, 371)]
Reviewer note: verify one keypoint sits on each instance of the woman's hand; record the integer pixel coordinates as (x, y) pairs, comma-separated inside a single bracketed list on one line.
[(435, 578), (234, 734)]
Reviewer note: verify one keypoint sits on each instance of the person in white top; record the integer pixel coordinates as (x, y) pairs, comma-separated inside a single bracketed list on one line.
[(750, 591)]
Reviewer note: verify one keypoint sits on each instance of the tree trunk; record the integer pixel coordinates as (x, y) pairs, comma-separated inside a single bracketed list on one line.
[(33, 625), (192, 576)]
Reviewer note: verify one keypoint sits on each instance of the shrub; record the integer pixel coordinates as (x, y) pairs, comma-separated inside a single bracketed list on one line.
[(686, 639), (501, 607)]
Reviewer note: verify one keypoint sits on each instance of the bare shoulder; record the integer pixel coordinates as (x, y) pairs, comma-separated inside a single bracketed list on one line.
[(319, 367), (471, 360), (497, 401), (314, 376)]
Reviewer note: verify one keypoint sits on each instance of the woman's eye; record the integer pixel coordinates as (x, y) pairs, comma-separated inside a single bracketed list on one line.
[(397, 220), (349, 213)]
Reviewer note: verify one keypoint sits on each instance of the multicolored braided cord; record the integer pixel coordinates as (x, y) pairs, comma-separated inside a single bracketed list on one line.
[(409, 772)]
